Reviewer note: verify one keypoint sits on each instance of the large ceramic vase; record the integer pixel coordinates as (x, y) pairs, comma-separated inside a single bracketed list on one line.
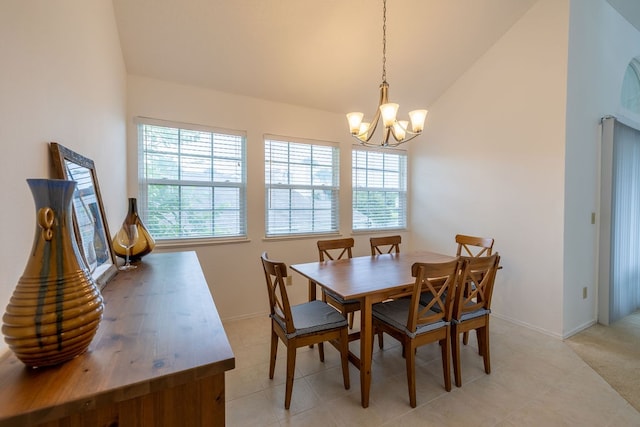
[(145, 242), (56, 306)]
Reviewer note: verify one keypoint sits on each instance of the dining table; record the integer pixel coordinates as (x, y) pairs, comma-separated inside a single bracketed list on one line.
[(370, 280)]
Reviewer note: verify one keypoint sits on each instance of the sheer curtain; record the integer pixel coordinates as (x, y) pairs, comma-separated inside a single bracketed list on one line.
[(623, 143)]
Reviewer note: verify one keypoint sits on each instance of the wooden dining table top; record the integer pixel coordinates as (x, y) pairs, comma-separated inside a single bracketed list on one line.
[(353, 278)]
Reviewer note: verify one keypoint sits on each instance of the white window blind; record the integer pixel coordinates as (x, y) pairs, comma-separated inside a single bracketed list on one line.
[(192, 181), (379, 189), (302, 186)]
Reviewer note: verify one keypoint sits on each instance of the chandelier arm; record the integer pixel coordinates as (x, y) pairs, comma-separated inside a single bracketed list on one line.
[(397, 143), (384, 98), (370, 130), (385, 137), (409, 132)]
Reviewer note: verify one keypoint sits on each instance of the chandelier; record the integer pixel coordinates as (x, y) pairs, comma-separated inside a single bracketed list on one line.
[(399, 129)]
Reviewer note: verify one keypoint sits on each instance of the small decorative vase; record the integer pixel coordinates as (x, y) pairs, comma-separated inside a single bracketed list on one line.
[(56, 306), (145, 242)]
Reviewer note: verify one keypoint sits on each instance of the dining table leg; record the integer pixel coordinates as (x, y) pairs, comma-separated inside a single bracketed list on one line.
[(366, 349), (312, 290), (312, 296)]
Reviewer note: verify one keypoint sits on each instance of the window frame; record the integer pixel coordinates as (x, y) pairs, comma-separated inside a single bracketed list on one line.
[(241, 186), (628, 110), (271, 231), (402, 190)]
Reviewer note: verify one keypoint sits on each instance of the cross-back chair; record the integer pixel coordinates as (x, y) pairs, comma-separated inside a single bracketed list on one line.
[(473, 246), (300, 325), (414, 324), (335, 249), (472, 306), (385, 245)]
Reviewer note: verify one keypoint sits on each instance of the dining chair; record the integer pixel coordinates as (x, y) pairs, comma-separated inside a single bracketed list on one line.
[(473, 246), (385, 245), (300, 325), (414, 324), (335, 249), (472, 306)]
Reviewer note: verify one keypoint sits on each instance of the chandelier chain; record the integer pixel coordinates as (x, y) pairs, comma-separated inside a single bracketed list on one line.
[(384, 40)]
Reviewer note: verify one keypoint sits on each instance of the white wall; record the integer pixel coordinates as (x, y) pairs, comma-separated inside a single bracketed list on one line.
[(233, 271), (62, 79), (601, 44), (492, 164)]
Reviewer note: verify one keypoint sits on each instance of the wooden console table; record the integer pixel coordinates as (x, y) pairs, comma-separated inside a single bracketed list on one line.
[(158, 359)]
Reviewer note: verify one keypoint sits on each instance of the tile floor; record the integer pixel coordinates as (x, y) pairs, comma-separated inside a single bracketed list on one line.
[(536, 380)]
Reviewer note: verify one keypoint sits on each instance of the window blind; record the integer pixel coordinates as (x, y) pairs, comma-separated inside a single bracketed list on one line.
[(192, 181), (379, 189), (302, 185)]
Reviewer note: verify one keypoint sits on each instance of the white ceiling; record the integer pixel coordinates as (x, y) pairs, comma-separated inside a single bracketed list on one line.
[(321, 54), (630, 9)]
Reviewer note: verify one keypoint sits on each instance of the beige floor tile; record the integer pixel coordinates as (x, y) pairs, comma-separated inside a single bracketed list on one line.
[(251, 410), (535, 380)]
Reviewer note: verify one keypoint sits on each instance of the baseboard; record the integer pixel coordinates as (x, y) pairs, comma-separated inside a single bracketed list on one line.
[(579, 329), (528, 326)]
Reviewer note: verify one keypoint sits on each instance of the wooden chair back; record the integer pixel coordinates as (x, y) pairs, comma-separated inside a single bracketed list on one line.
[(335, 249), (438, 280), (386, 244), (472, 246), (275, 274), (478, 275)]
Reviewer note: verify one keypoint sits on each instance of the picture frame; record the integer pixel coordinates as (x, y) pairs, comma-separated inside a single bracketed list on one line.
[(89, 220)]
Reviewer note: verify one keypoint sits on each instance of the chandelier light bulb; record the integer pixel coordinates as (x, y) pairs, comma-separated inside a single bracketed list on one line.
[(400, 130), (355, 119), (364, 131), (417, 120), (388, 112)]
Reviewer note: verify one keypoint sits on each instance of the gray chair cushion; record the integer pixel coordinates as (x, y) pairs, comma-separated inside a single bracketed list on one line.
[(427, 297), (472, 315), (396, 314), (340, 299), (313, 316)]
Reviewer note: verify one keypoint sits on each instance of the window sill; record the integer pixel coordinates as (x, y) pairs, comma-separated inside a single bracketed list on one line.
[(189, 243), (301, 237)]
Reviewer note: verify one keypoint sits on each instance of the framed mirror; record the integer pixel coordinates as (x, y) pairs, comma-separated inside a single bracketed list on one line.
[(92, 232)]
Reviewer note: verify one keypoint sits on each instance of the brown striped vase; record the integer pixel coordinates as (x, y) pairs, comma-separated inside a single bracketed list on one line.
[(56, 307)]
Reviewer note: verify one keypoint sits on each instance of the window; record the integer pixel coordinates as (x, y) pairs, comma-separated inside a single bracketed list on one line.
[(379, 189), (192, 181), (301, 180), (630, 96)]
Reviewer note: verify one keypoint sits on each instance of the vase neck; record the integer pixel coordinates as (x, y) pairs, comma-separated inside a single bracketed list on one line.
[(132, 215), (133, 206)]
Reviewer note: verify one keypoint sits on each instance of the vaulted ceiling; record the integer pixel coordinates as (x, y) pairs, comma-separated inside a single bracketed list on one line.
[(324, 54)]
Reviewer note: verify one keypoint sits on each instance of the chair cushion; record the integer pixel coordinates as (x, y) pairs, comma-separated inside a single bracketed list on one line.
[(472, 315), (396, 314), (313, 316), (427, 297), (340, 299)]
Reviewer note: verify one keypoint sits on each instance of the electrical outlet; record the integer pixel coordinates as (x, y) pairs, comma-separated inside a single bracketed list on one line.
[(584, 293), (289, 281)]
